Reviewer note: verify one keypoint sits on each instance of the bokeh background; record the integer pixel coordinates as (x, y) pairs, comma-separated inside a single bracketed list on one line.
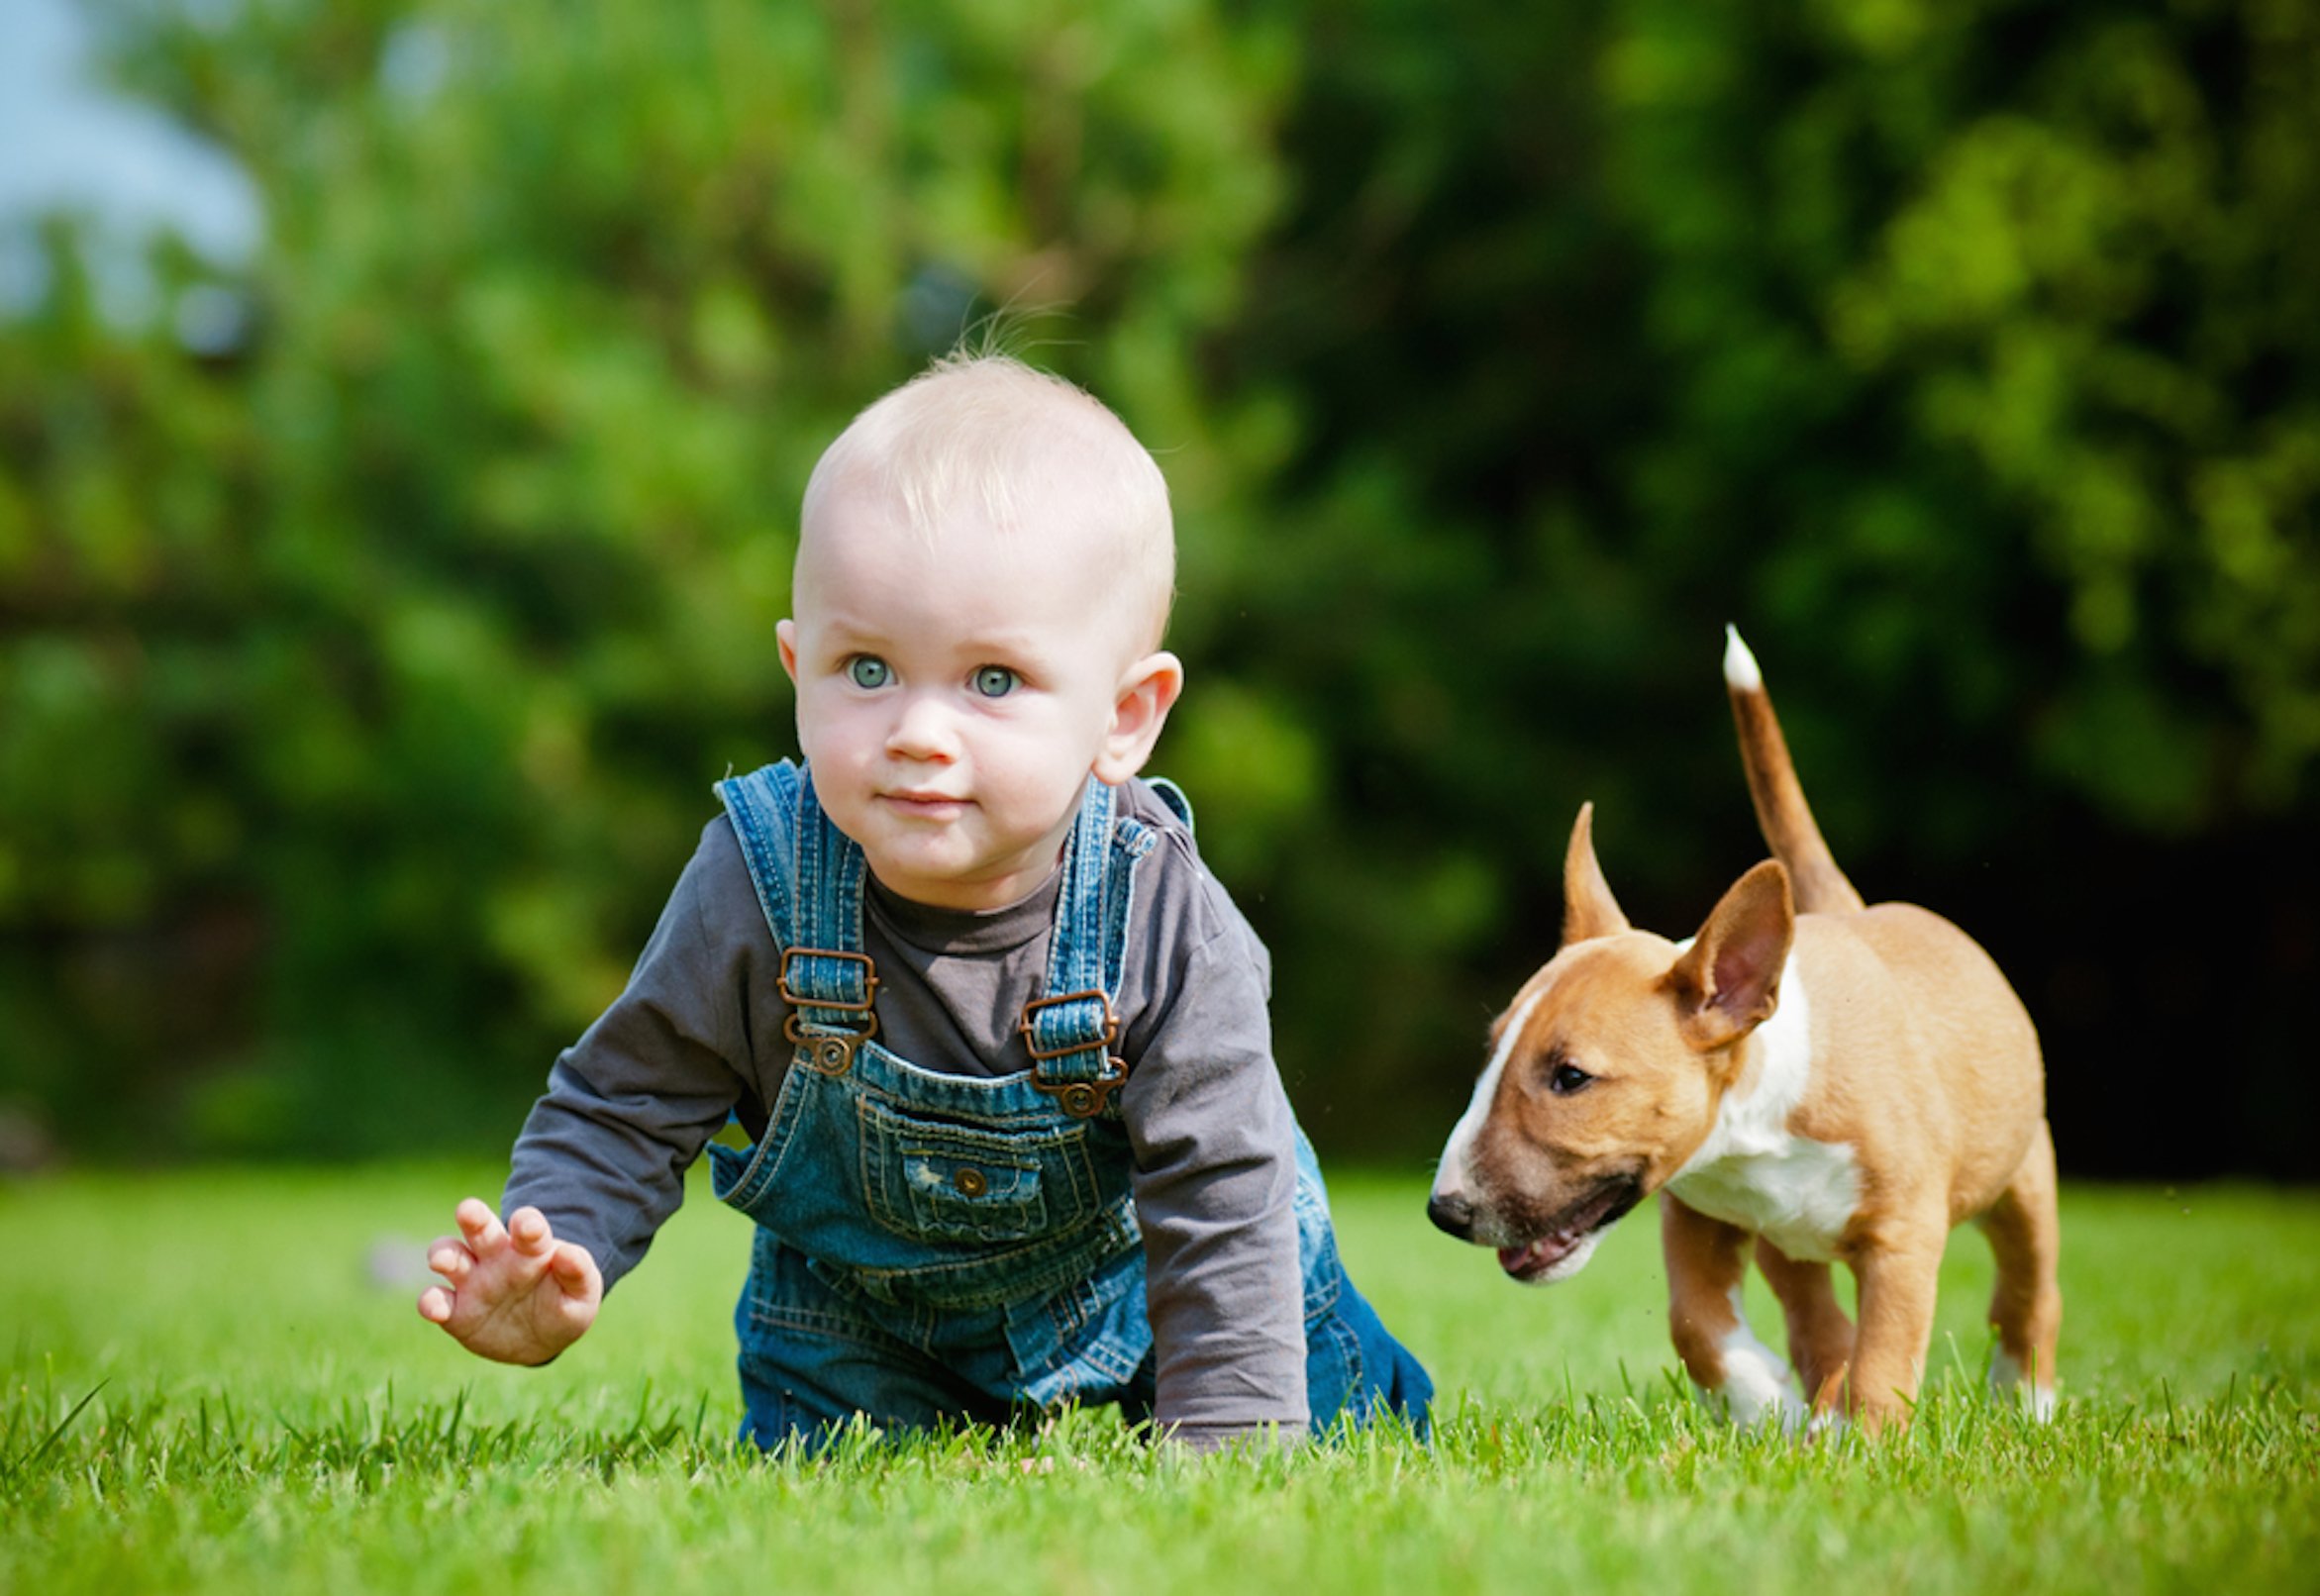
[(392, 532)]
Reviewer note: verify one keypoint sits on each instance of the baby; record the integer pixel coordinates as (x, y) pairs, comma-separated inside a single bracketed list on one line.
[(998, 1040)]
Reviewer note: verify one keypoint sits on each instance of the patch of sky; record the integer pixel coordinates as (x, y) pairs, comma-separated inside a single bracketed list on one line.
[(123, 170), (414, 61)]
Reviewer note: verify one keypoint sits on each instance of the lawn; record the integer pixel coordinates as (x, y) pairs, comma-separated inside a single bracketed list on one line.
[(215, 1381)]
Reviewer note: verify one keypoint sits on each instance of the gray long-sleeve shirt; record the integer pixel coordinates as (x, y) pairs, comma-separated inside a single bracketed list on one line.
[(698, 1033)]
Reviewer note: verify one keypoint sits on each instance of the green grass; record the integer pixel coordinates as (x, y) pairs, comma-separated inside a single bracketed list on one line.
[(264, 1414)]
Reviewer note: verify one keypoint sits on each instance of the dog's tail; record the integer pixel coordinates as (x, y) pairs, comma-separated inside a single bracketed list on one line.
[(1782, 812)]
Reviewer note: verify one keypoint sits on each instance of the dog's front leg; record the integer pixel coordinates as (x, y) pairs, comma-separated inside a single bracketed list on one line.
[(1899, 1275), (1707, 1260), (1820, 1335)]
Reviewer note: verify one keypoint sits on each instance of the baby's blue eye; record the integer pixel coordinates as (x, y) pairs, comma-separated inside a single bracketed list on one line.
[(867, 670), (996, 681)]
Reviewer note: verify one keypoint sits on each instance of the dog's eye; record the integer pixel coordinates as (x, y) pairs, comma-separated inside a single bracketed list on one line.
[(1566, 1079)]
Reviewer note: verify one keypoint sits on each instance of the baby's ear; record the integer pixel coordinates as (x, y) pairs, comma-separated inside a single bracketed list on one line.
[(785, 640), (1148, 691)]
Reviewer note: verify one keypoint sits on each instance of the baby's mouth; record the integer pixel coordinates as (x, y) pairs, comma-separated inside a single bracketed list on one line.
[(925, 803)]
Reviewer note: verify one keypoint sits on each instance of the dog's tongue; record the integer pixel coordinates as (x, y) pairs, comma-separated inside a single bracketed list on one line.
[(1543, 1254)]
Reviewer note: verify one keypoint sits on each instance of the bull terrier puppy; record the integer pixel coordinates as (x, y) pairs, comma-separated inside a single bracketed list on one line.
[(1833, 1081)]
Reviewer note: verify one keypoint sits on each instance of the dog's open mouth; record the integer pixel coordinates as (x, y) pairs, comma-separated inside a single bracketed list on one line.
[(1600, 1207)]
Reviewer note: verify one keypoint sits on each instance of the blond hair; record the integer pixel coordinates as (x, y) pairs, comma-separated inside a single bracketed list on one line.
[(988, 431)]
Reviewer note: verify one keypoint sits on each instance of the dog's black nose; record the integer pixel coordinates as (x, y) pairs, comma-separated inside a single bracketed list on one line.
[(1451, 1215)]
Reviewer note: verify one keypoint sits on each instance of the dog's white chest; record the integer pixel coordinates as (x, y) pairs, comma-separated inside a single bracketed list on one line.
[(1799, 1198), (1752, 1171)]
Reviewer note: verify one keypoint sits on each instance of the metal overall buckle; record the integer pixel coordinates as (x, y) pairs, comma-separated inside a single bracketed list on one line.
[(829, 1051), (1081, 1099)]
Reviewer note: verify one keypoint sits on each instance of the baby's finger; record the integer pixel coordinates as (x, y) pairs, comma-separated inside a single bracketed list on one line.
[(434, 1305), (573, 1270), (479, 1225), (528, 1226), (449, 1256)]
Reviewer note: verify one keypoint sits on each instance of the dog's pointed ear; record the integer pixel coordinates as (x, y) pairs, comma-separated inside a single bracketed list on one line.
[(1728, 982), (1588, 909)]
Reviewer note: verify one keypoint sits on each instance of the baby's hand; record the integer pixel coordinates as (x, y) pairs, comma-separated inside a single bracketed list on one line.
[(515, 1295)]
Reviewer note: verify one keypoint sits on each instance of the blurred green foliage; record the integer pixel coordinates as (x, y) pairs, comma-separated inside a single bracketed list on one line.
[(1965, 355), (364, 667)]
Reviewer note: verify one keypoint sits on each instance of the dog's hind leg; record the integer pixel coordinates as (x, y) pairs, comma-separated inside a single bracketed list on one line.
[(1707, 1260), (1820, 1335), (2027, 1306)]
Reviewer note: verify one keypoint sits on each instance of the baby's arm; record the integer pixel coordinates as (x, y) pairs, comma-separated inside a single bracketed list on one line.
[(1215, 1194), (514, 1294), (626, 1112)]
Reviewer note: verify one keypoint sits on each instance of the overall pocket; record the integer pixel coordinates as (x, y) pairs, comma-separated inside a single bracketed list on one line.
[(747, 1178), (933, 1180)]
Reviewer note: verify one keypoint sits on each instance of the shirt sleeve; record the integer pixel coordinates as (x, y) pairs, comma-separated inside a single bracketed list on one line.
[(1215, 1184), (631, 1104)]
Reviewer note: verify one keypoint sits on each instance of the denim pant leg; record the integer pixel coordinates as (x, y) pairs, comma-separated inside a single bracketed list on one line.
[(1354, 1366), (811, 1360), (1387, 1377), (1091, 1343)]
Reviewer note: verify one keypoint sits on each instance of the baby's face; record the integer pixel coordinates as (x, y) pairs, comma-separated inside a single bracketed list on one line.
[(953, 698)]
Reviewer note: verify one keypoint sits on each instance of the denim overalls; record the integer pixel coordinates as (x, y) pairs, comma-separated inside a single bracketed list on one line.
[(933, 1245)]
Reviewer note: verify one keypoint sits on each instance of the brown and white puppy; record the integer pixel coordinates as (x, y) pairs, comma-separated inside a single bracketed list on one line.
[(1835, 1081)]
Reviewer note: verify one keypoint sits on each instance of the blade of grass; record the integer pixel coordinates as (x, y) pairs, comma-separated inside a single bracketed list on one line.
[(63, 1425)]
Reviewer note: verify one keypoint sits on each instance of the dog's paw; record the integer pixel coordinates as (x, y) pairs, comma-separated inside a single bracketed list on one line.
[(2036, 1397), (1829, 1422), (1759, 1386)]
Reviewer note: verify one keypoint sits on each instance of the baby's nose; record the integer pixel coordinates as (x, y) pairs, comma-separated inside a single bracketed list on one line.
[(924, 729)]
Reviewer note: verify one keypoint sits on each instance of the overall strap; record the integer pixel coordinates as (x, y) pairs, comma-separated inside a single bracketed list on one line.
[(1072, 1030), (1173, 796), (808, 877)]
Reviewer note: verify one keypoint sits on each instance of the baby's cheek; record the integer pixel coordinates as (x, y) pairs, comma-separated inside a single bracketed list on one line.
[(830, 736)]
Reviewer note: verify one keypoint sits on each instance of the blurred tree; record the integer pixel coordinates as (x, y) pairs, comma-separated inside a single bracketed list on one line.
[(134, 631), (1965, 355), (377, 675), (370, 630)]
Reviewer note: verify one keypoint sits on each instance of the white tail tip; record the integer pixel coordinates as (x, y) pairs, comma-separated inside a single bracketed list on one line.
[(1739, 666)]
